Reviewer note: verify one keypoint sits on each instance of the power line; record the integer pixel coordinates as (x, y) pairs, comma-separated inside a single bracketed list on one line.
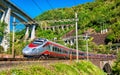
[(37, 5), (49, 4)]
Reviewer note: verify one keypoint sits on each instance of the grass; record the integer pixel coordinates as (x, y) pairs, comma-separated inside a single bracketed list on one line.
[(74, 68)]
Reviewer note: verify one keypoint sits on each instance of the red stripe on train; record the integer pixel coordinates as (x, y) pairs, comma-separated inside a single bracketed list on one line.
[(32, 45)]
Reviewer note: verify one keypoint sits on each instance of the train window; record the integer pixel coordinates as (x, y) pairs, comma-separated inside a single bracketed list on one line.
[(54, 48), (49, 47), (60, 50), (57, 49), (81, 54), (38, 42), (63, 51), (66, 52), (74, 53)]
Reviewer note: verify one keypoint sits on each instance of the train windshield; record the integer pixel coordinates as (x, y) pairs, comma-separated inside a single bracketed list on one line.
[(38, 42)]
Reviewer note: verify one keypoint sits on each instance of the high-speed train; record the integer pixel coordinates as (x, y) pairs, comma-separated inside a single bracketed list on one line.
[(44, 49)]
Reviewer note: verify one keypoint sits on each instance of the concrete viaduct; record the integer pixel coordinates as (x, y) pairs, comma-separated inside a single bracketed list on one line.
[(8, 10)]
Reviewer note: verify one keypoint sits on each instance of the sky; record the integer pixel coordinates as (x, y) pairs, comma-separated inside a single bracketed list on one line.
[(34, 8)]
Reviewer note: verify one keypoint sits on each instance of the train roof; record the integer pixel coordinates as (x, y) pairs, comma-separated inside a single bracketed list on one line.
[(41, 39), (62, 46)]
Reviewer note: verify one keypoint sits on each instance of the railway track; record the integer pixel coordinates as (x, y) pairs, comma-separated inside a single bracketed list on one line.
[(24, 59)]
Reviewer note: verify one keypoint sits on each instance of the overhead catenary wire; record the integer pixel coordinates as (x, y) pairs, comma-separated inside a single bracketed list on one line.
[(37, 6), (50, 5)]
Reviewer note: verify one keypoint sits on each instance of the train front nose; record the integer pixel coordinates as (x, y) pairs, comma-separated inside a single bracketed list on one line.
[(27, 51)]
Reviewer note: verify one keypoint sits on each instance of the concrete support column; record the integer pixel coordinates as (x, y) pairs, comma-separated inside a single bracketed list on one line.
[(68, 41), (7, 19), (33, 32), (62, 28), (27, 33), (6, 38), (71, 42), (45, 28), (53, 28), (106, 30), (3, 16), (101, 30), (65, 42)]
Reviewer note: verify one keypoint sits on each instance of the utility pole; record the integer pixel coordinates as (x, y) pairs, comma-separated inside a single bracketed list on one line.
[(76, 24), (13, 37)]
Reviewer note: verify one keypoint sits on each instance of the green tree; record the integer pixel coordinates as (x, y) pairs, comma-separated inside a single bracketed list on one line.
[(116, 67), (2, 27)]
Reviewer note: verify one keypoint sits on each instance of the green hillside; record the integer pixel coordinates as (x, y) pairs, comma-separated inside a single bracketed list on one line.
[(91, 15)]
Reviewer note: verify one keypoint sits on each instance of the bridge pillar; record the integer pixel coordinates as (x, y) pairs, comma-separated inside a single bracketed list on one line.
[(71, 42), (3, 16), (45, 28), (6, 39), (68, 41), (27, 33), (53, 28), (62, 27), (33, 32)]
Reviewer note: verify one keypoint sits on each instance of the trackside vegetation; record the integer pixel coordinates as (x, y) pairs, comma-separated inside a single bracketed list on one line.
[(2, 27), (74, 68), (116, 67)]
